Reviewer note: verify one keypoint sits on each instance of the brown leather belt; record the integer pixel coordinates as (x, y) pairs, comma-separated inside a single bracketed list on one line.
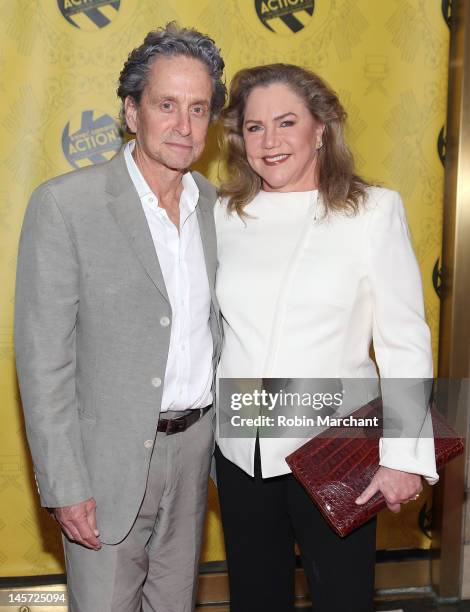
[(172, 426)]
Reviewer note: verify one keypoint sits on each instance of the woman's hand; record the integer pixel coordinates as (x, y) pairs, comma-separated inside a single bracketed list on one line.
[(396, 486)]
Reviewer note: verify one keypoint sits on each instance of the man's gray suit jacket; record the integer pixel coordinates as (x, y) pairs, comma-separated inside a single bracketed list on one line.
[(92, 331)]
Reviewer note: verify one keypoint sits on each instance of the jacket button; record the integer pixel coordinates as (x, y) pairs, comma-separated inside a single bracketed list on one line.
[(148, 443), (156, 382), (164, 321)]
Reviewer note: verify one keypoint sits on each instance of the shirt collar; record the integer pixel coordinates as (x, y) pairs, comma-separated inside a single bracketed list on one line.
[(189, 196)]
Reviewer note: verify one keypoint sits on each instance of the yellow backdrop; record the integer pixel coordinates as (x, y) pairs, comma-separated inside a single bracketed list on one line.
[(59, 63)]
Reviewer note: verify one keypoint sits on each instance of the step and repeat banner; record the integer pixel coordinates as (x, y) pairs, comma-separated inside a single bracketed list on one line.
[(59, 64)]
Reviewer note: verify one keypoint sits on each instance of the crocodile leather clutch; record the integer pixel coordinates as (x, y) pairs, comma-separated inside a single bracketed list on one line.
[(335, 470)]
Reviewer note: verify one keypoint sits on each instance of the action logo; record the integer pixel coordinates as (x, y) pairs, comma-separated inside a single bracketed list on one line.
[(90, 137), (89, 14), (285, 16)]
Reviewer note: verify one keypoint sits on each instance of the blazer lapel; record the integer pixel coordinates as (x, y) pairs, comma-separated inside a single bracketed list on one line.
[(205, 218), (126, 208)]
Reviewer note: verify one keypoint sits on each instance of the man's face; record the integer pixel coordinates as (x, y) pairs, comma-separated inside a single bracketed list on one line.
[(172, 118)]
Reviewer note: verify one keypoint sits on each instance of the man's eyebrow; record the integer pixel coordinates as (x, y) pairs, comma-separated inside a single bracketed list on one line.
[(160, 97), (173, 98), (275, 118)]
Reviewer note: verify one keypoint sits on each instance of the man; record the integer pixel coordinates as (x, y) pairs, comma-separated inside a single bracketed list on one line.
[(117, 337)]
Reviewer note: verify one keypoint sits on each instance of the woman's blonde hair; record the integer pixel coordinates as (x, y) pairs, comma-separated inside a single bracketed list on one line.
[(341, 189)]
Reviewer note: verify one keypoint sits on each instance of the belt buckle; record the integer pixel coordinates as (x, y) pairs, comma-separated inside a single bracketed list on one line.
[(170, 429), (175, 425)]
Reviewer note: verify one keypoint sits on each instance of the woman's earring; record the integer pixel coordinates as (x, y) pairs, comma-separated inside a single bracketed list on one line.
[(319, 144)]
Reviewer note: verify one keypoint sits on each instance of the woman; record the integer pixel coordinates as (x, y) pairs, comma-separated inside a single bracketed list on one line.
[(309, 256)]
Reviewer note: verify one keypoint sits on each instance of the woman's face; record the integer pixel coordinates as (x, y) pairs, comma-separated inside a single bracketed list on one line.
[(281, 138)]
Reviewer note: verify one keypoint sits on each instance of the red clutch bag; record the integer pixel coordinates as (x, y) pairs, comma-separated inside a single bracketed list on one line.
[(335, 470)]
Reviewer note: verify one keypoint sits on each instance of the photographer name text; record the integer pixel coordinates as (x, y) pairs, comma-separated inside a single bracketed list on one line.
[(303, 421)]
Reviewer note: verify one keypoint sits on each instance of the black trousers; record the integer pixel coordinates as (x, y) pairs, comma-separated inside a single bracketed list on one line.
[(262, 518)]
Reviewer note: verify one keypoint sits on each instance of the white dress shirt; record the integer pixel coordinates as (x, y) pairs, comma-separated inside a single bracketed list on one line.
[(188, 375), (304, 299)]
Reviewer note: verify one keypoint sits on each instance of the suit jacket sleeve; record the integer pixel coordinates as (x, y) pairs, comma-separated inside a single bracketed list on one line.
[(401, 337), (46, 308)]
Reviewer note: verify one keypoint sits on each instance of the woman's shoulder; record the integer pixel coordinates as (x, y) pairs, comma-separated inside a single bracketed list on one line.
[(221, 206), (380, 200), (222, 213), (223, 209), (375, 195), (222, 202), (384, 210)]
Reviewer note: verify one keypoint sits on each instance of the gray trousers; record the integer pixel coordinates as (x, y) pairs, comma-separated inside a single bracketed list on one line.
[(154, 569)]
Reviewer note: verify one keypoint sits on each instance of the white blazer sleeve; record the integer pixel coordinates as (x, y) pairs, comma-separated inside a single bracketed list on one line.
[(401, 337)]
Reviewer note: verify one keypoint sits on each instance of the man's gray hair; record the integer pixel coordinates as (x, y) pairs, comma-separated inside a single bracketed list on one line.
[(171, 41)]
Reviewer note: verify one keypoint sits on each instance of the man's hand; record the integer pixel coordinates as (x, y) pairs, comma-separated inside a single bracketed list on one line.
[(396, 486), (78, 522)]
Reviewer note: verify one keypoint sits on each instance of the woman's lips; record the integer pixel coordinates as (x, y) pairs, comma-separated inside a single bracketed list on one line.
[(275, 160)]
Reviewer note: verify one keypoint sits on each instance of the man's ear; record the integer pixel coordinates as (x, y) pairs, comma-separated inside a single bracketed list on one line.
[(130, 111)]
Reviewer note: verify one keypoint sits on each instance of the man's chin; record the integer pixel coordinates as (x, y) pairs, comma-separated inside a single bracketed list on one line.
[(178, 167), (180, 164), (176, 161)]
